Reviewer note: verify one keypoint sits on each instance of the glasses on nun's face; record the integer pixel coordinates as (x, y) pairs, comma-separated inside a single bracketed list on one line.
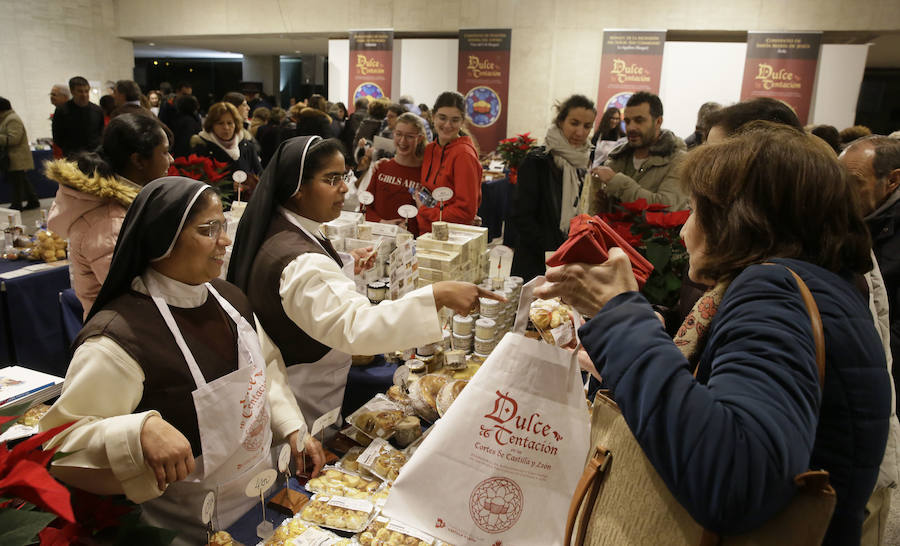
[(213, 229), (335, 179)]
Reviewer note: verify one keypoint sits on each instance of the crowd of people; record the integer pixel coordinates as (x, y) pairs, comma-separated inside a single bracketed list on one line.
[(722, 391)]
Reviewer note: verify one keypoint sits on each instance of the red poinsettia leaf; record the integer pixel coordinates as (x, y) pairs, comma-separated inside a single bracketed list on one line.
[(97, 511), (8, 418), (31, 482), (657, 207), (668, 219), (35, 441), (636, 206), (51, 536)]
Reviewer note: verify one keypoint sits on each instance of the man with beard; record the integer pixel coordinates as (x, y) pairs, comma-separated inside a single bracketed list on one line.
[(645, 165)]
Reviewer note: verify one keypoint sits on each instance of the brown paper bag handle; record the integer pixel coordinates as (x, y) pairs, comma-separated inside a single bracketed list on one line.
[(586, 493)]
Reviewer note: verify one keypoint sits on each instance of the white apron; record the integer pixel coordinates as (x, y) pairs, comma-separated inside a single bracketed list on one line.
[(233, 416), (319, 386)]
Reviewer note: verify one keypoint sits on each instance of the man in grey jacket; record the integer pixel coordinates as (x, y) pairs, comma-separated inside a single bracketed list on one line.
[(645, 165)]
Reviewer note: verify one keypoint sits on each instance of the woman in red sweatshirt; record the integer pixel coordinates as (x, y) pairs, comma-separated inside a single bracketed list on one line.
[(394, 181), (451, 161)]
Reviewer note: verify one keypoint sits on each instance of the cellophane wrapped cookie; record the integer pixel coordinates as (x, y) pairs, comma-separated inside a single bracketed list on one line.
[(296, 531), (553, 320), (333, 481), (341, 513), (382, 460), (384, 531), (378, 417)]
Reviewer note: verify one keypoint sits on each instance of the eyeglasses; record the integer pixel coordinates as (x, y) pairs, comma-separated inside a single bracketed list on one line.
[(453, 121), (335, 179), (213, 229)]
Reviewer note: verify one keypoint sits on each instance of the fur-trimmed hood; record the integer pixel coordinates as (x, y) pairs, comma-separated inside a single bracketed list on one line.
[(66, 173), (81, 195), (665, 145)]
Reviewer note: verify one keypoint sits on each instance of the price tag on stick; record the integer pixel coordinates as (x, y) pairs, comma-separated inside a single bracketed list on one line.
[(365, 199), (258, 486), (209, 505), (440, 195)]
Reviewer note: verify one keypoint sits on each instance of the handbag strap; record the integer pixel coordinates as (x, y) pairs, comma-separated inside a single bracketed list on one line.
[(586, 493)]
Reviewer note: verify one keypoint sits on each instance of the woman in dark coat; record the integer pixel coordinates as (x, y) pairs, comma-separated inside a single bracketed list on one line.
[(729, 441)]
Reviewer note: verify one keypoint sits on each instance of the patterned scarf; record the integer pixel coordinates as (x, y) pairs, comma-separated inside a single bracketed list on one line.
[(692, 335)]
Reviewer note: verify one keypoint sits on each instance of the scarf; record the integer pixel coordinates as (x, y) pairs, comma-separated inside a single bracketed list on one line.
[(574, 163), (279, 182), (151, 226), (230, 147), (692, 335)]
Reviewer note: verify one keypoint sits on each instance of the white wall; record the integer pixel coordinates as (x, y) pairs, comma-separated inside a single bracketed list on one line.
[(423, 68), (838, 78), (698, 72), (339, 71), (43, 43), (427, 68)]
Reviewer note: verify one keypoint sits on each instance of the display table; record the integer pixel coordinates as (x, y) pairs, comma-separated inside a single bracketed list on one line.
[(31, 333), (496, 201), (43, 186)]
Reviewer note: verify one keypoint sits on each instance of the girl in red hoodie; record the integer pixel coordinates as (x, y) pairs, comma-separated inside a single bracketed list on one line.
[(451, 161)]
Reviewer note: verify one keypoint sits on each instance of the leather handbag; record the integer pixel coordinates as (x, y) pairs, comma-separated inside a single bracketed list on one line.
[(621, 499)]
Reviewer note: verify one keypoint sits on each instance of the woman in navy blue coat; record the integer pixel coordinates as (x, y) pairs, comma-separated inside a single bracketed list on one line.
[(728, 442)]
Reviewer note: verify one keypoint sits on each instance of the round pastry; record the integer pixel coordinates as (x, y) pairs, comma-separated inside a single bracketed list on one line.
[(424, 395), (222, 538), (448, 394), (407, 430)]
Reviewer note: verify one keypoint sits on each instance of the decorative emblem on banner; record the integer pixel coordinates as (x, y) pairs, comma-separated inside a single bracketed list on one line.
[(483, 106), (618, 100), (368, 90), (496, 504)]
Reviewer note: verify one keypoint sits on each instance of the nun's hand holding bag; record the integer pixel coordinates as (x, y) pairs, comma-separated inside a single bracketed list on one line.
[(621, 499)]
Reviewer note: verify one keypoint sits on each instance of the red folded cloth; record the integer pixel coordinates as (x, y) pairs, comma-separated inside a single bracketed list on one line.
[(590, 239)]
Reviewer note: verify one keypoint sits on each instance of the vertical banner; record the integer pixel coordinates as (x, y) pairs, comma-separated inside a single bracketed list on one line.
[(483, 79), (782, 65), (631, 61), (371, 57)]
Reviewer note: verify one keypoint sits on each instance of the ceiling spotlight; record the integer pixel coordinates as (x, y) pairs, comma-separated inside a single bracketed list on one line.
[(190, 69), (296, 51), (151, 44), (155, 63)]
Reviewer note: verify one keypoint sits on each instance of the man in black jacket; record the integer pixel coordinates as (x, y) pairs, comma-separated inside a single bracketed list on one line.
[(874, 163), (78, 124)]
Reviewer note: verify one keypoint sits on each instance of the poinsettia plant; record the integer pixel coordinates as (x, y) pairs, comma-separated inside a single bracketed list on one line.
[(513, 151), (34, 507), (199, 168), (656, 234)]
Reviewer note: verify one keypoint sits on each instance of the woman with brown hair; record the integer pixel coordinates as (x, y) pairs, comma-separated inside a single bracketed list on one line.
[(729, 440), (222, 140)]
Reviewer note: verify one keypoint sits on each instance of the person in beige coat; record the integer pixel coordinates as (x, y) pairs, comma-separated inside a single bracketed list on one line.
[(15, 158), (96, 190)]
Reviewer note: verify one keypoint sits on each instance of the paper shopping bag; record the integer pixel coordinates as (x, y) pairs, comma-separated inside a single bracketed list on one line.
[(502, 465), (590, 239)]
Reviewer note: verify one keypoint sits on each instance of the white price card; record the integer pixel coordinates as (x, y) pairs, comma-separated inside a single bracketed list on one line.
[(366, 197), (284, 458), (407, 211), (209, 505), (357, 505), (442, 194), (261, 483), (325, 420), (409, 531), (239, 176)]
